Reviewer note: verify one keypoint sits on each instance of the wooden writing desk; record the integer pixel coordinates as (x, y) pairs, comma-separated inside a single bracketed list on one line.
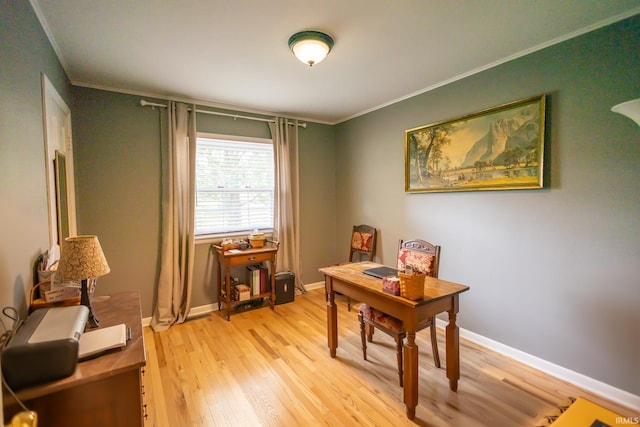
[(104, 391), (440, 296)]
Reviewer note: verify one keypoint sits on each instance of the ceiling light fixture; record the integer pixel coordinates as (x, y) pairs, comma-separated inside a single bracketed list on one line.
[(310, 47)]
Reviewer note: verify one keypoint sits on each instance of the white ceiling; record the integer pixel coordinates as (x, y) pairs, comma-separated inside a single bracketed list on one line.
[(234, 53)]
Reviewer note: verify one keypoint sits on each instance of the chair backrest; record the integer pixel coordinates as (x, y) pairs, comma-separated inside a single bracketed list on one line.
[(419, 255), (363, 242)]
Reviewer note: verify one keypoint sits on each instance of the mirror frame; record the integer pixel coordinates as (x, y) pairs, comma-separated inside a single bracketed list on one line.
[(62, 196)]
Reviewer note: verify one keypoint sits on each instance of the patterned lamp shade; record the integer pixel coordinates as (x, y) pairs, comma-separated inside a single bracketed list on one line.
[(81, 258)]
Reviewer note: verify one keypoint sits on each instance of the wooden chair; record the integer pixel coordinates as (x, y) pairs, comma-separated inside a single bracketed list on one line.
[(421, 256), (363, 245)]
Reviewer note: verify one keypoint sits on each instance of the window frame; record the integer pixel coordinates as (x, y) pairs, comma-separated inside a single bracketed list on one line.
[(214, 237)]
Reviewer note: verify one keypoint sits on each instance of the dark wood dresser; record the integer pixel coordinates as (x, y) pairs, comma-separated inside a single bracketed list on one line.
[(104, 391)]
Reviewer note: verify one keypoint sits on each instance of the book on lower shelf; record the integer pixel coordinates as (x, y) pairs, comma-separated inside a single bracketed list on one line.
[(263, 279), (254, 279), (258, 278)]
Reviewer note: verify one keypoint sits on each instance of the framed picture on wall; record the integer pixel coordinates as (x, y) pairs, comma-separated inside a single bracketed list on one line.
[(500, 148)]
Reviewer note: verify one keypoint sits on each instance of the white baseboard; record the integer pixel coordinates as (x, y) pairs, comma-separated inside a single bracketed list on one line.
[(598, 387), (202, 310), (193, 312), (209, 308), (314, 285)]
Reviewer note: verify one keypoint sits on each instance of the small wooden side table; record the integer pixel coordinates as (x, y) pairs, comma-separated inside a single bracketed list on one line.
[(230, 257)]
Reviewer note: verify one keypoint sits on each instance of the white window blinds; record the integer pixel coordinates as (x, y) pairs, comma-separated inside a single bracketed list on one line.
[(234, 185)]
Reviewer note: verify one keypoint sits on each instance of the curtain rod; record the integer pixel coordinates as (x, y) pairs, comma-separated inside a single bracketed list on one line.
[(216, 113)]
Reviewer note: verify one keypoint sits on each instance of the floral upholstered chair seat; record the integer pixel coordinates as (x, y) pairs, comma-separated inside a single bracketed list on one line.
[(373, 315)]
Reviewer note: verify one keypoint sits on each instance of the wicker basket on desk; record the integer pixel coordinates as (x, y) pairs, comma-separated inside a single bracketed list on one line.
[(37, 299), (256, 243), (256, 240), (411, 285)]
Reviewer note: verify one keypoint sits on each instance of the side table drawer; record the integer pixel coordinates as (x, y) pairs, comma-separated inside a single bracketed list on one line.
[(249, 258)]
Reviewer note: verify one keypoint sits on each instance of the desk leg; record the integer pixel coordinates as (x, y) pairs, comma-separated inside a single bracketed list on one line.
[(332, 318), (219, 270), (227, 287), (453, 350), (272, 297), (411, 375)]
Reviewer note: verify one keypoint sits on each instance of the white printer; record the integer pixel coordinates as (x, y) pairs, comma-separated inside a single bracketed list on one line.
[(45, 346)]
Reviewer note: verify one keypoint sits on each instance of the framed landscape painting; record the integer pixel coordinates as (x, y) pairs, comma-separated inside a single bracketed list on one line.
[(501, 148)]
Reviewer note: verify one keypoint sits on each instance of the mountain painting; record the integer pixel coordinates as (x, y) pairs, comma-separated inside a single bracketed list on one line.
[(496, 149)]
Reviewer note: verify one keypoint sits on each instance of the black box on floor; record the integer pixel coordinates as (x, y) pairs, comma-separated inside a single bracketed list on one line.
[(285, 287)]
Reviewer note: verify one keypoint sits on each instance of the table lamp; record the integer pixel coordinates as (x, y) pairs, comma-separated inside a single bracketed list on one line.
[(81, 258)]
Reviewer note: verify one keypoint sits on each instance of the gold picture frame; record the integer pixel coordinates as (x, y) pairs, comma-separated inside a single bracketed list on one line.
[(500, 148)]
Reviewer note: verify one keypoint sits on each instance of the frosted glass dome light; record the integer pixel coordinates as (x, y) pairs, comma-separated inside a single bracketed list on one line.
[(310, 47)]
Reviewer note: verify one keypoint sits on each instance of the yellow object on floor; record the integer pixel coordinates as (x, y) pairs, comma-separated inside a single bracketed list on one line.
[(584, 413)]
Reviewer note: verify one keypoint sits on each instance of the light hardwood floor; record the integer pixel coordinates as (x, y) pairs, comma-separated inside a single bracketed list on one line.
[(272, 368)]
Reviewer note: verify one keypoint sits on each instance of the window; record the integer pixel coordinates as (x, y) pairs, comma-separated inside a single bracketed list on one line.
[(234, 184)]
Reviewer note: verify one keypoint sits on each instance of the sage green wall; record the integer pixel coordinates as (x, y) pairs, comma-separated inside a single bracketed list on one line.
[(117, 161), (317, 203), (25, 53), (553, 272), (117, 154)]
